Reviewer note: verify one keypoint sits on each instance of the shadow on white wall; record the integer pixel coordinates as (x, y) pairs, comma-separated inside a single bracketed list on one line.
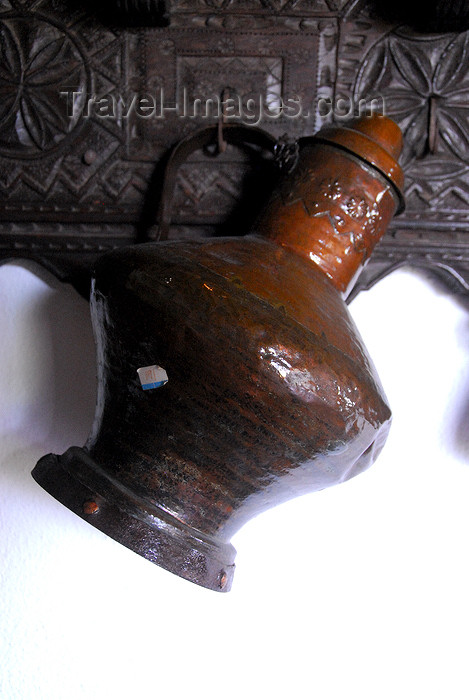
[(48, 377)]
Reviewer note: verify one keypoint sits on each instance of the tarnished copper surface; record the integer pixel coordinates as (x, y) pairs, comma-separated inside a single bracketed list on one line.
[(270, 392), (335, 207)]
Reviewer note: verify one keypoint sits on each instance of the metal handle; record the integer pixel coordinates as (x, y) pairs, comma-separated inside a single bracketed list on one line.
[(236, 134)]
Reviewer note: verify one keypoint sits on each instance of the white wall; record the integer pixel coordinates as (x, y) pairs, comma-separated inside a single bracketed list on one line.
[(360, 591)]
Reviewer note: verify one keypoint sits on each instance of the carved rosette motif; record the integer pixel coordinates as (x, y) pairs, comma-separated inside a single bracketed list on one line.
[(422, 83), (37, 58), (52, 60), (88, 166)]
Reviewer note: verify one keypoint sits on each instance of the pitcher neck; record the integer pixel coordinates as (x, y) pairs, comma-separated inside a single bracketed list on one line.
[(340, 198)]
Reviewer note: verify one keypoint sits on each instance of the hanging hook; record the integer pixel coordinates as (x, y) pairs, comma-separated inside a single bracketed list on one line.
[(221, 143)]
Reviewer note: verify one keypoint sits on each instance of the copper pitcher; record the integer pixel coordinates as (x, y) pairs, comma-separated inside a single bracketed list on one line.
[(231, 374)]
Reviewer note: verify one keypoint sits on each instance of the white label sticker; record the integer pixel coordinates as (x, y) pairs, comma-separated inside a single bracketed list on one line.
[(152, 377)]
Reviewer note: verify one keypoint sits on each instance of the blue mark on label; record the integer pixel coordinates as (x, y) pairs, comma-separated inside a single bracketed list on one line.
[(152, 377), (153, 385)]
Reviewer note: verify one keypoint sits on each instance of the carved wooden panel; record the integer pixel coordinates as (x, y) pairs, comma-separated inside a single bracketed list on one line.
[(88, 110), (422, 80)]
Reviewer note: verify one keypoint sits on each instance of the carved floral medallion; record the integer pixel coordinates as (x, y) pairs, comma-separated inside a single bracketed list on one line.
[(38, 60)]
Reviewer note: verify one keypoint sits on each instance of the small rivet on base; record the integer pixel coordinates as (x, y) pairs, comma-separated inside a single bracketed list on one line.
[(222, 579), (90, 507)]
